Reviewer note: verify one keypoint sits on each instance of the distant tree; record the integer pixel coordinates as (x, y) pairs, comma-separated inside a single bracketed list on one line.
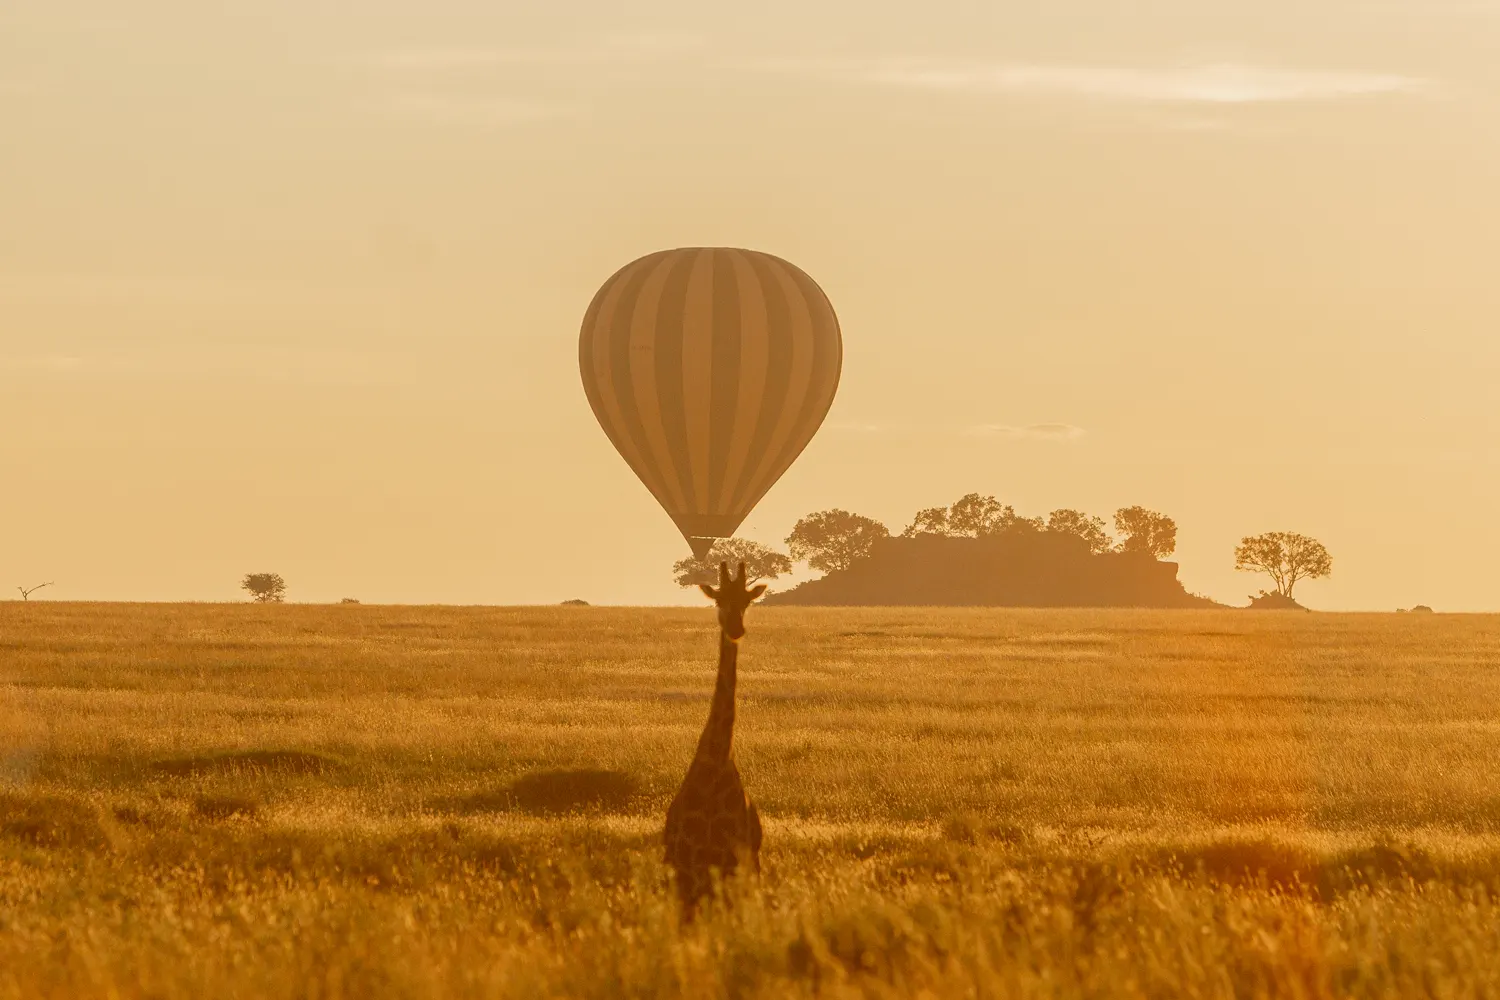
[(971, 516), (1285, 556), (831, 540), (761, 563), (1081, 525), (266, 588), (931, 521), (1146, 531), (974, 516), (26, 592)]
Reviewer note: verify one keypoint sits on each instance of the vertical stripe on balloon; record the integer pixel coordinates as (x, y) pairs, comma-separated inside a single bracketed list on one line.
[(829, 366), (642, 336), (752, 370), (724, 380), (596, 354), (697, 371), (670, 386), (780, 349), (803, 338), (614, 354)]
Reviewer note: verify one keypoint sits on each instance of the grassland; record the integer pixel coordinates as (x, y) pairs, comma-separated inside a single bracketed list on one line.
[(243, 801)]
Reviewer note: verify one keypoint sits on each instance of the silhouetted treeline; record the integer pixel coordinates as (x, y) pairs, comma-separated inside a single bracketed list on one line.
[(976, 551)]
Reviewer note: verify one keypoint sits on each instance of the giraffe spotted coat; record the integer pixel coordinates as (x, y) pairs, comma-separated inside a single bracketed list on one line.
[(713, 829)]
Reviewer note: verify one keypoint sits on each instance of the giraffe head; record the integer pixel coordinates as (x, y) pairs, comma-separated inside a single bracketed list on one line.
[(732, 597)]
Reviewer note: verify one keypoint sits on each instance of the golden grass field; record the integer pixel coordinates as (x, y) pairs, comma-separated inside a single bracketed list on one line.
[(312, 801)]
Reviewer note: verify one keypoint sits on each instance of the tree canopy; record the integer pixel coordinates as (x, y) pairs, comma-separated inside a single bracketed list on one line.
[(761, 562), (266, 588), (1087, 527), (1285, 556), (971, 516), (929, 521), (977, 516), (832, 540), (1146, 531)]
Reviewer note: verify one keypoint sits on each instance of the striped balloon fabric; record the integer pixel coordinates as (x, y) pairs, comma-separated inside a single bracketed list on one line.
[(710, 369)]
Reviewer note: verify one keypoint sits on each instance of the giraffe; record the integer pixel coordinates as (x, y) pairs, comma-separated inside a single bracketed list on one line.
[(711, 824)]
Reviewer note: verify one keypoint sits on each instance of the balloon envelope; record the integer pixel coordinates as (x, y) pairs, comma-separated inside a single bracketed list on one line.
[(710, 369)]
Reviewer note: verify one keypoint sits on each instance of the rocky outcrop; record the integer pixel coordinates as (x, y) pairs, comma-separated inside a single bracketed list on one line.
[(1035, 569)]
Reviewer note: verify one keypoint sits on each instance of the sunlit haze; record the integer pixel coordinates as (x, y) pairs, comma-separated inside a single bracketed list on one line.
[(297, 286)]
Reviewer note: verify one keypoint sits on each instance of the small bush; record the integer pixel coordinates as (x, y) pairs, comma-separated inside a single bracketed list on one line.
[(550, 793), (51, 821)]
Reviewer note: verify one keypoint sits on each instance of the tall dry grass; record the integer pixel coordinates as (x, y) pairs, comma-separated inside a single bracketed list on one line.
[(362, 801)]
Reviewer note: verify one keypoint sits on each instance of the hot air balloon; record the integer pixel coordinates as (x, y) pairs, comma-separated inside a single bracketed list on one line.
[(710, 369)]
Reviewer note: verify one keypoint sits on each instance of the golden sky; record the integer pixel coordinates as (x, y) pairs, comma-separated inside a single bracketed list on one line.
[(295, 285)]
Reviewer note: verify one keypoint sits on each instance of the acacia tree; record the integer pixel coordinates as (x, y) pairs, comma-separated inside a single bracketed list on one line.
[(1285, 557), (929, 521), (971, 516), (1146, 531), (1081, 525), (974, 516), (761, 563), (265, 588), (26, 592), (832, 540)]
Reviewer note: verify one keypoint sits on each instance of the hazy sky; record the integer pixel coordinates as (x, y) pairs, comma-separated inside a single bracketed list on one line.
[(295, 285)]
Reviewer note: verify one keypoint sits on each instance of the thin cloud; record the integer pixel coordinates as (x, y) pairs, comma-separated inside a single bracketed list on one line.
[(235, 362), (1212, 84), (460, 58), (1172, 122), (430, 82), (1427, 8), (1033, 432), (625, 47), (42, 362), (656, 41), (52, 287), (487, 112)]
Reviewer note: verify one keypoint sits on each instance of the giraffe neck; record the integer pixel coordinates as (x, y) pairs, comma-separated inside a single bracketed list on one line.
[(718, 734)]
